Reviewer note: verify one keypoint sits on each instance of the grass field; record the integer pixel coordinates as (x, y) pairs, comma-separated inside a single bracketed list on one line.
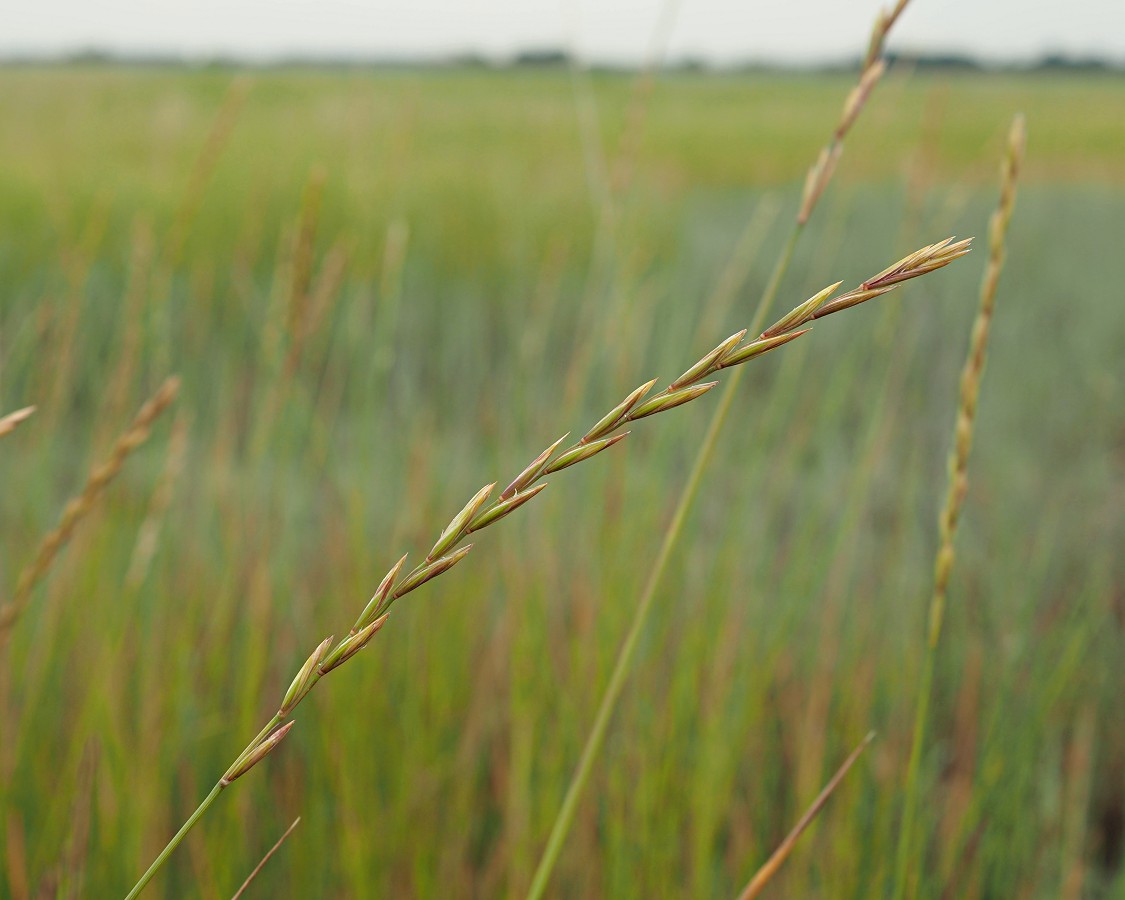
[(384, 289)]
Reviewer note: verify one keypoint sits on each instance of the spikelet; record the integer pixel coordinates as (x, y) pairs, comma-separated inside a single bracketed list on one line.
[(12, 420)]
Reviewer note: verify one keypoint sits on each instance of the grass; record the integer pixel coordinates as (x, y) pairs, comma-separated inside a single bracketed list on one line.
[(793, 614)]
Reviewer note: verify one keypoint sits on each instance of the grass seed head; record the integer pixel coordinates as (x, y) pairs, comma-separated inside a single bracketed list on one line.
[(430, 570), (496, 512), (533, 471), (456, 529), (616, 415), (351, 645), (920, 262), (671, 400), (758, 347), (375, 604), (709, 362), (582, 452), (246, 762), (801, 313), (302, 682)]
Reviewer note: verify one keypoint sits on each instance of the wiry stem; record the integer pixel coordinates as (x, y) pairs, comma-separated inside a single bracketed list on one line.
[(816, 181), (958, 487), (265, 859), (478, 513), (594, 740), (770, 866), (175, 842)]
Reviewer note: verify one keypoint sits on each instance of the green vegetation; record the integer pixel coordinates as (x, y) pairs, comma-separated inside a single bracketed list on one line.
[(381, 290)]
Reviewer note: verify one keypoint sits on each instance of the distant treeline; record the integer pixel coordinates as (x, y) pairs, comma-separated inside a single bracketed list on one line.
[(547, 58)]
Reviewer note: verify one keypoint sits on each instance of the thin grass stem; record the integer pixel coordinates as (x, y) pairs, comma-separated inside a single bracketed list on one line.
[(816, 182), (265, 859), (175, 842), (771, 866)]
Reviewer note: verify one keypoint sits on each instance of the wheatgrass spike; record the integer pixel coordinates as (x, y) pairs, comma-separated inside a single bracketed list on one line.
[(455, 530), (615, 416), (375, 604), (709, 363), (474, 517), (533, 471)]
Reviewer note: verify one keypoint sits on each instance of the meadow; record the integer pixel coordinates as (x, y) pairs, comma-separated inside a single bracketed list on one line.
[(382, 289)]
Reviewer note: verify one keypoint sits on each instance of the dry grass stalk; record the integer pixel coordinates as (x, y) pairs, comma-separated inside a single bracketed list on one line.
[(1079, 778), (958, 479), (71, 869), (15, 857), (78, 507), (479, 513), (319, 301), (971, 375), (132, 322), (395, 246), (871, 72), (304, 242), (78, 265), (149, 534), (771, 866), (205, 165), (13, 420), (265, 859), (818, 179)]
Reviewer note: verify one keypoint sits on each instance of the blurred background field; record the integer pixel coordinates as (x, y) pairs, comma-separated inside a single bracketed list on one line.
[(383, 289)]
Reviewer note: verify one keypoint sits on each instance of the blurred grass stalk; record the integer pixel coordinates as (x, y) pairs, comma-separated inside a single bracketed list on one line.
[(816, 182), (958, 488), (79, 507)]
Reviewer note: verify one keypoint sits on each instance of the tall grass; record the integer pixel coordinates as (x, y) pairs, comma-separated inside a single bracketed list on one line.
[(435, 766)]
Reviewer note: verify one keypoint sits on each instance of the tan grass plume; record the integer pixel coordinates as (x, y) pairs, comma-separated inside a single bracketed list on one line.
[(79, 507)]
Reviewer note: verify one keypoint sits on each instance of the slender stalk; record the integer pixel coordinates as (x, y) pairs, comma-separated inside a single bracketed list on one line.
[(958, 487), (771, 866), (624, 659), (222, 783), (816, 182), (265, 859), (175, 842), (608, 703)]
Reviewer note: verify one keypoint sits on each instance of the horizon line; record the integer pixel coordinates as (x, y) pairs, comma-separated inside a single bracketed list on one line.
[(545, 56)]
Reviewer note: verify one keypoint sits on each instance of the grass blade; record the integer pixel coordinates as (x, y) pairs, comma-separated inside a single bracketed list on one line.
[(265, 859), (770, 866)]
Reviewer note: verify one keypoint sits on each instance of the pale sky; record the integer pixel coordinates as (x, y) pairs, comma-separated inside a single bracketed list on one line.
[(600, 30)]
